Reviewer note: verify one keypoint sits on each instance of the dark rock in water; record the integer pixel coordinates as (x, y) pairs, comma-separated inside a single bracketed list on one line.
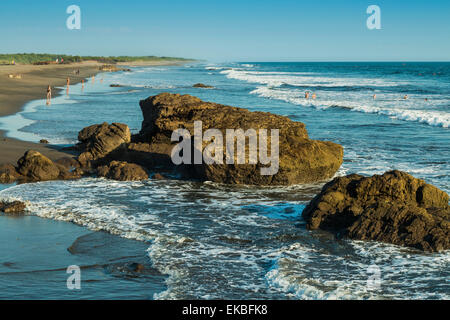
[(122, 171), (12, 208), (43, 141), (301, 160), (101, 140), (37, 167), (115, 85), (394, 207), (158, 176), (8, 173), (201, 85), (136, 267)]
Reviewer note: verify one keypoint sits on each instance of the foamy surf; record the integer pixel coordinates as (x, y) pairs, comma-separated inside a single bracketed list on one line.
[(296, 97), (230, 242)]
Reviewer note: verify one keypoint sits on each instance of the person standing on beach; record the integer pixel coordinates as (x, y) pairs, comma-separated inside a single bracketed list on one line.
[(68, 85), (82, 83), (49, 95), (93, 79)]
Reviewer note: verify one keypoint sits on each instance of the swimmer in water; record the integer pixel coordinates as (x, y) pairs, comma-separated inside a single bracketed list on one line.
[(405, 97), (374, 96), (313, 96), (306, 94)]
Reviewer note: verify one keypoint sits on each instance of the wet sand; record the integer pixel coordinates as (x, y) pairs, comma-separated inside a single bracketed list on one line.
[(36, 252)]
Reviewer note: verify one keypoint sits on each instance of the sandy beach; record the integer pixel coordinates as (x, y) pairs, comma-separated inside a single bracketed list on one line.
[(32, 85)]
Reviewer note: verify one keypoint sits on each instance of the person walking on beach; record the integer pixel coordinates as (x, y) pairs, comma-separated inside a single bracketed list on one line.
[(49, 95)]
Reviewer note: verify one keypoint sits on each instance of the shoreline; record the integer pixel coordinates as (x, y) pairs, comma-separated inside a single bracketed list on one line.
[(15, 94)]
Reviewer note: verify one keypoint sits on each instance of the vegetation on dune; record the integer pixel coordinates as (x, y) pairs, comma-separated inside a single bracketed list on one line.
[(31, 58)]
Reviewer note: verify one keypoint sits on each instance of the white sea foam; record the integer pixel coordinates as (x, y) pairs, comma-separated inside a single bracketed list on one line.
[(305, 79), (214, 68), (392, 107), (433, 118), (231, 242), (298, 271)]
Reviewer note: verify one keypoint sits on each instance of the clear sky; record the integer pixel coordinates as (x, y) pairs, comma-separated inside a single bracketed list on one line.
[(230, 30)]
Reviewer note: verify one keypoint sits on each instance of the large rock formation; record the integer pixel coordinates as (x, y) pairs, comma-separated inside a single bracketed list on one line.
[(394, 207), (102, 140), (122, 171), (37, 167), (301, 160)]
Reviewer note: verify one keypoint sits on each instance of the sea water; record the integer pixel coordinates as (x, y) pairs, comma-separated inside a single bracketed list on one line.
[(221, 241)]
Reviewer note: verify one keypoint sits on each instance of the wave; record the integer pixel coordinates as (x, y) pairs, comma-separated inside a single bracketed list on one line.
[(305, 79), (215, 68), (295, 267), (430, 117), (247, 248)]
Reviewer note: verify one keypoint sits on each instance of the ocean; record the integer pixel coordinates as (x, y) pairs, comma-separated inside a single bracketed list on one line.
[(213, 241)]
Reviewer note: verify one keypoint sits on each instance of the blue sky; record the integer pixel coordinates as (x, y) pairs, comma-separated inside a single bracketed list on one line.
[(230, 30)]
